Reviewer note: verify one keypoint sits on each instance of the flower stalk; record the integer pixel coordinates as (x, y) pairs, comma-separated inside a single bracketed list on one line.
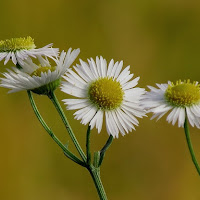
[(95, 173), (94, 170), (54, 100), (189, 143), (104, 149), (52, 135), (88, 145)]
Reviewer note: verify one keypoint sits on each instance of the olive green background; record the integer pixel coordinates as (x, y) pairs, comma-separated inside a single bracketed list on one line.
[(161, 42)]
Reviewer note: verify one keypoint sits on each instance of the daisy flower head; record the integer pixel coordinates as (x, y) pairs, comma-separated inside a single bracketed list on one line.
[(42, 78), (19, 49), (104, 91), (181, 98)]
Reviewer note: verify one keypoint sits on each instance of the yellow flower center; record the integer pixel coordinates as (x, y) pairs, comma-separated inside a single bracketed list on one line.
[(38, 71), (48, 88), (106, 93), (15, 44), (183, 94)]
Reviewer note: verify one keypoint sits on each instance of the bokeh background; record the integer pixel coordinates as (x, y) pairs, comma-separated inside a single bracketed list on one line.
[(161, 42)]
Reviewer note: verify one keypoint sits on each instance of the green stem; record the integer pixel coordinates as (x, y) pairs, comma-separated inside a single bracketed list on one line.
[(104, 149), (95, 168), (50, 132), (97, 181), (96, 159), (94, 171), (66, 123), (88, 145), (187, 134)]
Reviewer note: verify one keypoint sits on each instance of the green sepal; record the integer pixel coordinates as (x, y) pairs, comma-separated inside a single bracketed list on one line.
[(48, 88)]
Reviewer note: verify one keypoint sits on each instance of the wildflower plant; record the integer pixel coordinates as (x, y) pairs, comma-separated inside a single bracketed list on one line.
[(100, 90), (183, 100), (102, 95)]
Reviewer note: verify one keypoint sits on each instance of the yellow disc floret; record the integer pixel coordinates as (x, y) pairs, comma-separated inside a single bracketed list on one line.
[(38, 71), (15, 44), (183, 94), (106, 93)]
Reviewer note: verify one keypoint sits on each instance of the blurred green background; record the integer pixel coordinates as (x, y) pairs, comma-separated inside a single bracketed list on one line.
[(161, 42)]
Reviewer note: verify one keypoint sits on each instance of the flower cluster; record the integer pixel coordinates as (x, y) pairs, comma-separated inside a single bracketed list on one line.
[(101, 90), (103, 94)]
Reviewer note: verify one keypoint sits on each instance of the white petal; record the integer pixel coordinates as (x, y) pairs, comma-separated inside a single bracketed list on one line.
[(170, 117), (88, 117), (7, 58), (14, 60), (110, 67), (119, 68), (76, 103), (103, 66), (131, 84), (97, 120), (181, 118)]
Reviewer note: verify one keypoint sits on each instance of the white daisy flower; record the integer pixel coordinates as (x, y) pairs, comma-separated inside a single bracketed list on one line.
[(40, 79), (104, 91), (19, 49), (183, 98)]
